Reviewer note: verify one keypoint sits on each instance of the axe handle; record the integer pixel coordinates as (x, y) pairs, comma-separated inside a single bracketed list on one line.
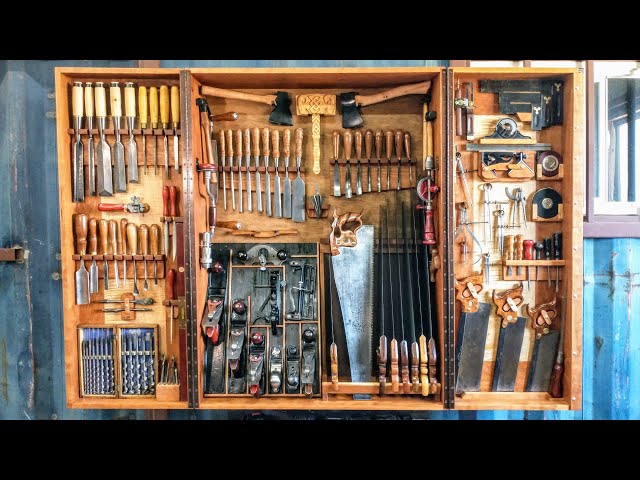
[(251, 97), (414, 88)]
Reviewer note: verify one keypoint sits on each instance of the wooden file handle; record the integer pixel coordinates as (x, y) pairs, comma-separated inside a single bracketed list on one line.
[(173, 201), (170, 285)]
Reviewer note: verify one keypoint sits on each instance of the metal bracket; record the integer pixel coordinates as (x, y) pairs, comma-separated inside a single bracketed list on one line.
[(13, 254)]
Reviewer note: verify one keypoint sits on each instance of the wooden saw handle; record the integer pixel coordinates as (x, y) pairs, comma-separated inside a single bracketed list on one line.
[(234, 94), (415, 88)]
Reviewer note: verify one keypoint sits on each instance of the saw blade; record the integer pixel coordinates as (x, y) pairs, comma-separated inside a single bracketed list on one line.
[(472, 337), (508, 356), (542, 359), (353, 274)]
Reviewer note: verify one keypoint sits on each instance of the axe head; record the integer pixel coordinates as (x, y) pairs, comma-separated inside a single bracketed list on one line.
[(351, 117), (281, 114)]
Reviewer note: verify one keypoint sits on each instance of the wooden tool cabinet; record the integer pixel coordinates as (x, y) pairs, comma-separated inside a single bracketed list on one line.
[(404, 113)]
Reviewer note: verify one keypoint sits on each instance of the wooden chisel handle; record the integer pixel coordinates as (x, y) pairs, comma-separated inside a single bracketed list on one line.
[(238, 148), (93, 236), (175, 106), (336, 144), (88, 99), (154, 231), (165, 201), (389, 144), (143, 107), (132, 238), (357, 139), (116, 99), (144, 239), (286, 142), (229, 134), (129, 100), (222, 146), (173, 201), (275, 143), (153, 106), (77, 99), (265, 141), (123, 229), (395, 373), (81, 228), (170, 285), (348, 144), (101, 100), (368, 143), (399, 136), (407, 145), (104, 236), (255, 139), (298, 140), (113, 240), (164, 106), (246, 142), (379, 136)]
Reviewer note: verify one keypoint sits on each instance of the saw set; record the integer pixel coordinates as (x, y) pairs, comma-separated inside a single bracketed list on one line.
[(321, 239)]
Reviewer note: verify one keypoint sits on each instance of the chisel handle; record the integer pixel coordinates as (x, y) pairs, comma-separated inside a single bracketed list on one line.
[(119, 244), (275, 143), (113, 238), (395, 373), (88, 99), (144, 239), (153, 106), (527, 249), (154, 230), (348, 144), (336, 144), (357, 138), (101, 100), (143, 107), (165, 201), (519, 247), (123, 229), (132, 238), (399, 136), (389, 144), (164, 106), (229, 134), (129, 100), (407, 145), (104, 236), (81, 228), (298, 139), (77, 100), (175, 106), (222, 146), (286, 142), (93, 236), (368, 143), (265, 141), (255, 142), (246, 142), (116, 99), (170, 285), (173, 201), (379, 137), (424, 369), (508, 246), (238, 148)]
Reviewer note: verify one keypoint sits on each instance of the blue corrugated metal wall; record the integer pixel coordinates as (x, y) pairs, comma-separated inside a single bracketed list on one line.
[(31, 359)]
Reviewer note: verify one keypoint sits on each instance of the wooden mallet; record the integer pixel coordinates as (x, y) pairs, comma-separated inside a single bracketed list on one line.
[(316, 104)]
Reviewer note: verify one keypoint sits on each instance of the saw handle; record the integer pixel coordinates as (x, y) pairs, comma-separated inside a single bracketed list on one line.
[(104, 236), (415, 88), (81, 227), (170, 285), (116, 99), (77, 100), (143, 107), (368, 143), (333, 353), (233, 94), (286, 142), (93, 236)]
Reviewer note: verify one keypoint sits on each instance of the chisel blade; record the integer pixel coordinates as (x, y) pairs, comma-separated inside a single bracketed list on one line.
[(542, 359), (176, 165), (82, 284), (93, 277), (132, 161), (286, 204), (78, 185), (277, 197), (508, 356), (92, 167), (472, 337), (120, 177), (105, 174)]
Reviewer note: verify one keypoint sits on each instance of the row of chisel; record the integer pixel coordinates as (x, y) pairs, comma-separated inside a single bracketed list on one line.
[(87, 100), (137, 353), (400, 139), (97, 360), (288, 197)]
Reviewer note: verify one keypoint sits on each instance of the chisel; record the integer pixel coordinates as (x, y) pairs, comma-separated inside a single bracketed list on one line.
[(247, 160), (104, 181), (336, 165), (123, 232), (348, 143), (164, 119), (298, 200), (154, 231), (143, 113), (286, 151), (175, 121), (399, 140), (132, 242), (173, 213), (357, 137), (144, 250), (239, 163), (255, 139), (389, 152), (407, 150), (104, 244), (93, 250), (275, 138), (88, 111), (170, 295), (82, 276), (368, 146), (132, 147), (165, 214), (113, 226), (78, 148), (119, 173), (153, 118), (229, 140), (267, 175), (119, 247), (222, 151), (379, 135)]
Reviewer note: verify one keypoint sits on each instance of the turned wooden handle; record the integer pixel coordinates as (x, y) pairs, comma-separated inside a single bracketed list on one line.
[(508, 246), (407, 144), (173, 201), (129, 100), (415, 88), (357, 138), (424, 370), (286, 142), (81, 227), (255, 139), (144, 239), (113, 238), (298, 139), (154, 232), (368, 143), (104, 236), (433, 359), (230, 224), (153, 106), (116, 99), (164, 106), (251, 97), (348, 144), (265, 141), (123, 229), (382, 364), (238, 148), (77, 99), (132, 238), (170, 285), (336, 144), (395, 373), (229, 139), (175, 106), (221, 144), (519, 249), (415, 365), (429, 139), (93, 236), (165, 201), (88, 99), (404, 367), (399, 139), (379, 137), (226, 117), (143, 107), (119, 244), (101, 100), (389, 143), (246, 142), (555, 384), (333, 352), (275, 143)]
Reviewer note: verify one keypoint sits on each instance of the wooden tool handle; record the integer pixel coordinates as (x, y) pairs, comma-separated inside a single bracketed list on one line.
[(286, 142), (395, 373), (143, 107), (382, 364), (415, 366), (119, 244), (275, 143), (175, 106), (265, 141), (153, 106), (93, 236), (333, 353), (238, 147), (129, 100), (389, 143), (298, 139), (132, 238), (170, 291), (173, 201), (557, 374), (222, 144), (527, 249), (81, 227), (336, 144), (165, 201), (113, 238), (519, 247), (164, 106), (379, 137), (508, 246), (357, 138), (424, 370), (430, 139), (399, 139), (226, 117), (154, 231), (467, 290), (433, 360), (229, 140), (404, 367), (88, 99), (230, 224), (246, 142), (415, 88), (144, 239), (104, 236), (368, 143), (348, 144), (220, 92), (255, 141), (77, 100), (407, 144), (123, 229), (116, 99), (101, 100)]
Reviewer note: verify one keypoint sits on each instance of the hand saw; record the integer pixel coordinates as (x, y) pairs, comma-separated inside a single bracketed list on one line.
[(352, 260), (509, 340), (545, 346), (472, 333)]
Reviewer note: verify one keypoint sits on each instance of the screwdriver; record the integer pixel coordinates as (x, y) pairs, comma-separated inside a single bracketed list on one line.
[(539, 247), (104, 242), (518, 252), (508, 248), (154, 230), (557, 253), (547, 255), (528, 255)]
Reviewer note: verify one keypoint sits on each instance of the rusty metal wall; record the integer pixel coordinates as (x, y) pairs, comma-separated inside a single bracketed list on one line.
[(31, 349)]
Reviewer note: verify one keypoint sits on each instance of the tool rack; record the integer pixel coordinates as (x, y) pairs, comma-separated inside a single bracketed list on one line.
[(404, 113)]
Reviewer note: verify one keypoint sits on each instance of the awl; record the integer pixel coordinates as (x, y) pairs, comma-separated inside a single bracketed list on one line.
[(120, 175), (78, 148), (104, 181)]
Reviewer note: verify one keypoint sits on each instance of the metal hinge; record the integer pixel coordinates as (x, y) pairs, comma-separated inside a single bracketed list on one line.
[(13, 254)]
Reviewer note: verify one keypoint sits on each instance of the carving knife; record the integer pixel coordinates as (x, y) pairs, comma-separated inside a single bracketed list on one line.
[(173, 212), (104, 181), (348, 143), (239, 163), (164, 119), (132, 147), (82, 276), (286, 151), (222, 149), (379, 135), (247, 159), (336, 165), (88, 111), (175, 121), (113, 227), (78, 148), (368, 146), (143, 113), (165, 214), (276, 185), (104, 243), (358, 140), (298, 198), (255, 138), (153, 118), (230, 152), (119, 173), (93, 250), (267, 175)]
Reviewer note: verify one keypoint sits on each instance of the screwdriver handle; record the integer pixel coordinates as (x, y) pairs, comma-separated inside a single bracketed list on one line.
[(123, 231), (175, 106), (519, 247), (170, 285), (144, 239), (165, 201), (132, 238), (153, 106), (93, 236), (88, 99), (154, 230), (164, 106), (368, 143), (143, 107), (77, 103), (547, 248), (173, 201), (81, 227), (104, 236), (528, 249), (129, 100), (508, 246), (539, 248), (116, 99), (113, 240)]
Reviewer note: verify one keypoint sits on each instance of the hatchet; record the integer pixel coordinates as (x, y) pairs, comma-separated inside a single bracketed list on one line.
[(280, 115)]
